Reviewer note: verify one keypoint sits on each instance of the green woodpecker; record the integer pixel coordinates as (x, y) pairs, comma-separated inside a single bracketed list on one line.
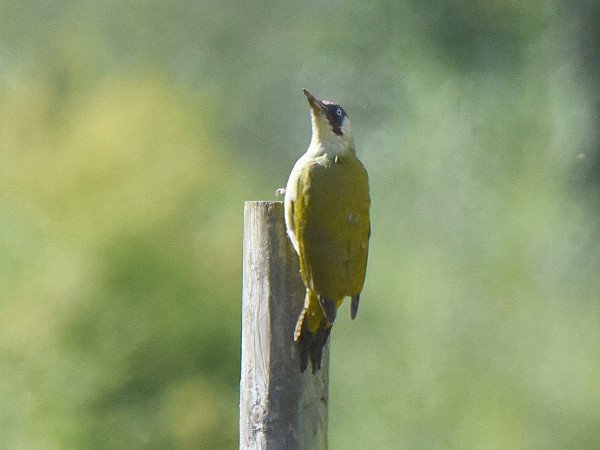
[(327, 219)]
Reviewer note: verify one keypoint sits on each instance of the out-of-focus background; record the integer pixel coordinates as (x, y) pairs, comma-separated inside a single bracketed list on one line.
[(132, 132)]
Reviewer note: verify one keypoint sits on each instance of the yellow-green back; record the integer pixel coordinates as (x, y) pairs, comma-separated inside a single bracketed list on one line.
[(331, 221)]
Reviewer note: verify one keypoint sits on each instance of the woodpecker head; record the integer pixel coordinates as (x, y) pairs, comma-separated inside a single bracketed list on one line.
[(330, 123)]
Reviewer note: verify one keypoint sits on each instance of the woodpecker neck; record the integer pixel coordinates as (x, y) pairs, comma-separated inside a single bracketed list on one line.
[(325, 141), (330, 147)]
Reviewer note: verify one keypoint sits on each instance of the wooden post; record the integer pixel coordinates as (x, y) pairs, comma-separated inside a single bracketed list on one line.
[(280, 408)]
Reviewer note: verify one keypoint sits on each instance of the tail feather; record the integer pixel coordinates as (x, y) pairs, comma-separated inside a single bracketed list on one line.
[(312, 331), (311, 346)]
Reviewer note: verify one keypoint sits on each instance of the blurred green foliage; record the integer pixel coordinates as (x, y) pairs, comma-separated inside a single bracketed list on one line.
[(132, 132)]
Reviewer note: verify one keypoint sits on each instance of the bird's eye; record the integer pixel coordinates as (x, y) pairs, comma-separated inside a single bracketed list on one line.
[(338, 112)]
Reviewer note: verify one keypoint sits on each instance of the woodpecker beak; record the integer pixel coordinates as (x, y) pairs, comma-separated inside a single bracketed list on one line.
[(316, 105)]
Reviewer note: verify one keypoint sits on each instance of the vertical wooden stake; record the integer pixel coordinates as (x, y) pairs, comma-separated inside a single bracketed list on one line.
[(280, 408)]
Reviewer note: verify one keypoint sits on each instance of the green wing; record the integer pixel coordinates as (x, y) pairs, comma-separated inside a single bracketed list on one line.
[(331, 220)]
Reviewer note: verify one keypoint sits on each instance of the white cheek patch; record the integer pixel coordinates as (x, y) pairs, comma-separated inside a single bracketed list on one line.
[(346, 128)]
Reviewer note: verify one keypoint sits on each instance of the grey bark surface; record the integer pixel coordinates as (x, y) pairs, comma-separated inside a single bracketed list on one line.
[(280, 408)]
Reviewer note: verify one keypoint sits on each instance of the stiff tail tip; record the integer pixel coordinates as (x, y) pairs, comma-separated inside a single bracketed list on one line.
[(311, 344)]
